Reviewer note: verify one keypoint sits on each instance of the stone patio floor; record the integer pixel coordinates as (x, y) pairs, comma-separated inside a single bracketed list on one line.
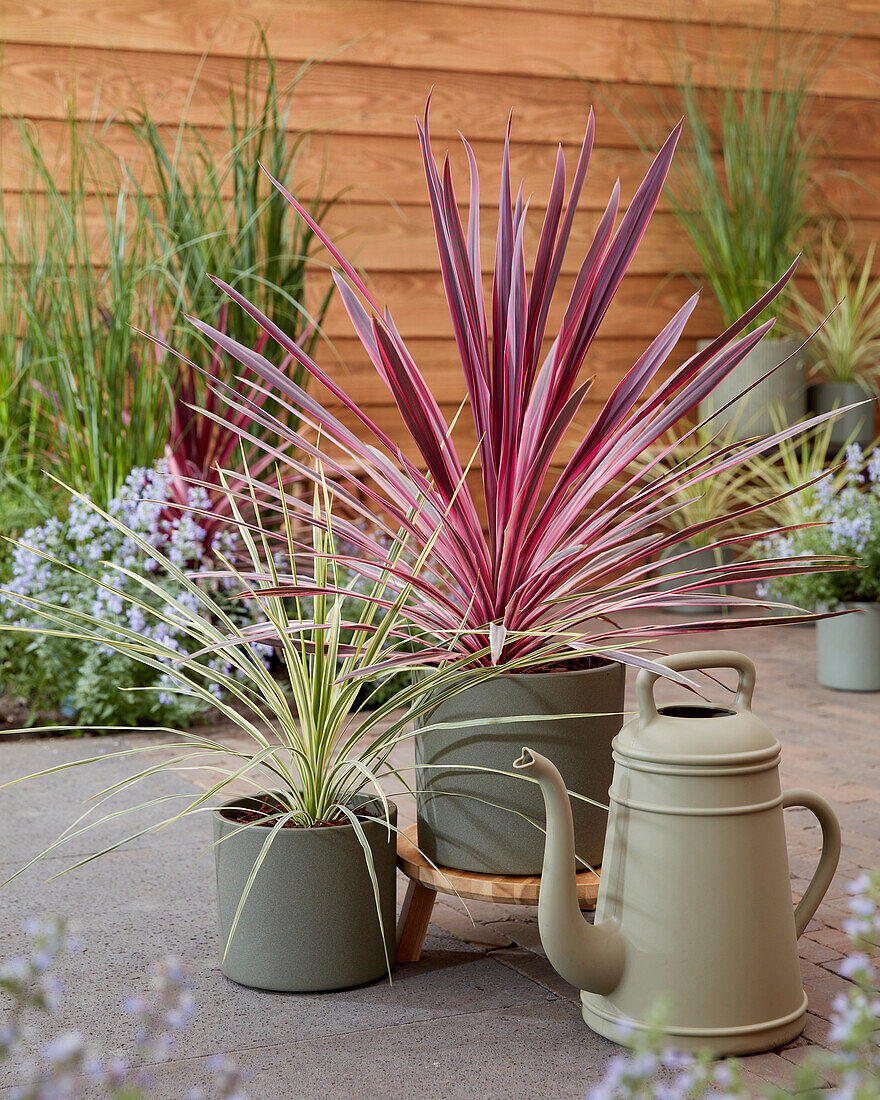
[(482, 1014)]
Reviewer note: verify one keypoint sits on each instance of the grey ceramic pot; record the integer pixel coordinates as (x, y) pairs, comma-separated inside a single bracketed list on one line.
[(310, 920), (836, 395), (784, 391), (848, 649), (700, 558), (457, 826)]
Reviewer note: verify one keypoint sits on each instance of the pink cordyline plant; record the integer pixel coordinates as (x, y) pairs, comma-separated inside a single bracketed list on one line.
[(199, 447), (541, 571)]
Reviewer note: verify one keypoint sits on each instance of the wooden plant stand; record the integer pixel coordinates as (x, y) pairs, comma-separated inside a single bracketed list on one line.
[(425, 883)]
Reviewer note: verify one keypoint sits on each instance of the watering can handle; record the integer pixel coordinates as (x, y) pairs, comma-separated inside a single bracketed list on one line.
[(824, 873), (694, 662)]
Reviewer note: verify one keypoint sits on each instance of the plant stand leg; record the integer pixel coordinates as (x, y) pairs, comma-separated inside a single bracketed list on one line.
[(412, 926)]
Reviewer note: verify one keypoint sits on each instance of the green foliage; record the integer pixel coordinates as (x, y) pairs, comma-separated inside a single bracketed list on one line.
[(840, 519), (312, 753), (786, 475), (75, 360), (94, 254), (746, 173), (85, 565), (216, 213), (675, 463), (846, 347)]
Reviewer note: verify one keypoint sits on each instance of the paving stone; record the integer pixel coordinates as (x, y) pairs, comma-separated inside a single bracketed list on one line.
[(458, 923), (816, 1030), (821, 986), (833, 938), (816, 952), (515, 1054), (538, 969), (768, 1067)]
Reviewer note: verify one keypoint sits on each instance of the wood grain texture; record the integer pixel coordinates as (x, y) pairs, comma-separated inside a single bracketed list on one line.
[(386, 169), (412, 924), (343, 98), (473, 886), (388, 33), (546, 59)]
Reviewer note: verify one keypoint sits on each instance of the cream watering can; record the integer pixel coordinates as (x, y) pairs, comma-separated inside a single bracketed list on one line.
[(695, 898)]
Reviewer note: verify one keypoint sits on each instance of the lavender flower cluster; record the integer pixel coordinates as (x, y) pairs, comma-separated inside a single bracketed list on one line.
[(60, 562), (852, 1065), (67, 1066), (850, 519)]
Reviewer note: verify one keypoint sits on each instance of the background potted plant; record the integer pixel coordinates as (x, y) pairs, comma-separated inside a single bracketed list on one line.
[(845, 352), (701, 503), (306, 857), (526, 571), (742, 192), (839, 516)]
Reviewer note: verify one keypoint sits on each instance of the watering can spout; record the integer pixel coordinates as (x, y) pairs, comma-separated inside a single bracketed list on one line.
[(591, 957)]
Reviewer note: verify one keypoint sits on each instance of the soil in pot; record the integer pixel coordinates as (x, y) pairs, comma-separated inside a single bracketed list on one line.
[(310, 921), (493, 823)]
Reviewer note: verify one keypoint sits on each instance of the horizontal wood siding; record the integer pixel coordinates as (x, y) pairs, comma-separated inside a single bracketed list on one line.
[(377, 61)]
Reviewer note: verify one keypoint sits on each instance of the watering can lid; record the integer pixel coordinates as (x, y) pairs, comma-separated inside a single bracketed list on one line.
[(696, 729)]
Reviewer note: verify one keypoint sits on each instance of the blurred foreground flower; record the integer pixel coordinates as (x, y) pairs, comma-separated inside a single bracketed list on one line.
[(67, 1066), (851, 1066)]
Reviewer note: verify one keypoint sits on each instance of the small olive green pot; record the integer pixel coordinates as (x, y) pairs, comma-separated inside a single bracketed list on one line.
[(309, 922), (481, 821), (858, 423), (848, 649), (698, 558)]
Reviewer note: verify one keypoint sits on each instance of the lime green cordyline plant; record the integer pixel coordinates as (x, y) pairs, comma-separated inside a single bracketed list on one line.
[(788, 475), (846, 321), (730, 493)]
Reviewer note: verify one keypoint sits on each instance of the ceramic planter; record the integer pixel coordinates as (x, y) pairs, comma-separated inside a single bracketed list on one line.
[(699, 558), (784, 391), (310, 921), (457, 826), (835, 395), (848, 649)]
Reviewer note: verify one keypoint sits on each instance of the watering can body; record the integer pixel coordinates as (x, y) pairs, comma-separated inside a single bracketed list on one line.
[(694, 903)]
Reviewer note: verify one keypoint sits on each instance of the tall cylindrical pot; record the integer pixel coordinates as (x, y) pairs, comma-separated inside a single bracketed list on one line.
[(698, 558), (848, 649), (310, 921), (783, 392), (858, 423), (483, 821)]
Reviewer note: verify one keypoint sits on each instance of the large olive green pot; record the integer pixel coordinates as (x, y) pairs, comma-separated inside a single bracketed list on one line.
[(483, 821), (856, 425), (848, 649), (698, 558), (309, 922), (783, 394)]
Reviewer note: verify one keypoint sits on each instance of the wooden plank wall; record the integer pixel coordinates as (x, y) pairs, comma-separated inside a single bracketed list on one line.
[(482, 58)]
